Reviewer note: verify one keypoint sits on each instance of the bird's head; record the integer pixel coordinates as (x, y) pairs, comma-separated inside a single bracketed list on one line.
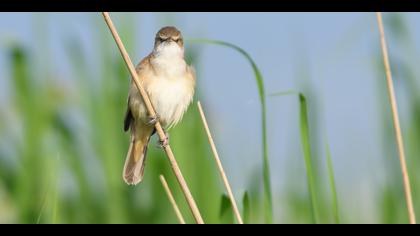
[(169, 40)]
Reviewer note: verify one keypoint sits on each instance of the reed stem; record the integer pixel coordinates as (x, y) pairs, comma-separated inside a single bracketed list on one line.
[(219, 165), (396, 121), (172, 199)]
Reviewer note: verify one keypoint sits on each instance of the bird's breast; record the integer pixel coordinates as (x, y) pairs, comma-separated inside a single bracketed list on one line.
[(168, 65), (170, 96)]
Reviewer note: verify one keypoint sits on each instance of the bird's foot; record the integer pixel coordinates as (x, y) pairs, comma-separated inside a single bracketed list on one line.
[(152, 120), (163, 143)]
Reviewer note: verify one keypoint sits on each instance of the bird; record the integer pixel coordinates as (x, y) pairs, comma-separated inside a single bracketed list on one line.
[(170, 83)]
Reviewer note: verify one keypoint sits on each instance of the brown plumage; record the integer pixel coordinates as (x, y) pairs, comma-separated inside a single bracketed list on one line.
[(170, 83)]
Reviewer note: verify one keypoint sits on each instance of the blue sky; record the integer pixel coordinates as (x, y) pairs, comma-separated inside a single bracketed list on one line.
[(329, 55)]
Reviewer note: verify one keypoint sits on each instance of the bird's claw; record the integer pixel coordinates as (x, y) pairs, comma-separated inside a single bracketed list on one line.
[(165, 142), (152, 120)]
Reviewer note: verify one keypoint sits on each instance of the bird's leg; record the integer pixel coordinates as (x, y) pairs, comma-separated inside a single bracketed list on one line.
[(152, 120), (165, 142)]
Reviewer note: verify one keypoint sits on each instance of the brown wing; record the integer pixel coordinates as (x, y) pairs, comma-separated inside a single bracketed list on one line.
[(144, 63), (128, 114), (128, 117)]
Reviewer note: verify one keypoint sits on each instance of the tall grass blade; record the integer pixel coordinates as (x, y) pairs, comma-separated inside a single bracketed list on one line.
[(284, 93), (305, 140), (246, 208), (226, 210), (304, 135), (332, 185)]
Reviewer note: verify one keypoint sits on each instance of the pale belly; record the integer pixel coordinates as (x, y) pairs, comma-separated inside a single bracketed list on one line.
[(169, 97)]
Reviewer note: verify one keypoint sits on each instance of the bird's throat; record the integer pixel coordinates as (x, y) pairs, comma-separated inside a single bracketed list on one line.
[(169, 61)]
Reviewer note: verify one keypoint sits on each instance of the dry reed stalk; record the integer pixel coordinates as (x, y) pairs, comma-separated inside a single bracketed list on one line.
[(158, 126), (219, 165), (172, 200), (397, 127)]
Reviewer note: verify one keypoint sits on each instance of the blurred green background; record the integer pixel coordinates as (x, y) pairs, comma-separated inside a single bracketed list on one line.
[(63, 91)]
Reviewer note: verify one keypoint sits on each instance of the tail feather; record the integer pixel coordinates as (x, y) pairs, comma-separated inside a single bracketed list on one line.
[(135, 161)]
